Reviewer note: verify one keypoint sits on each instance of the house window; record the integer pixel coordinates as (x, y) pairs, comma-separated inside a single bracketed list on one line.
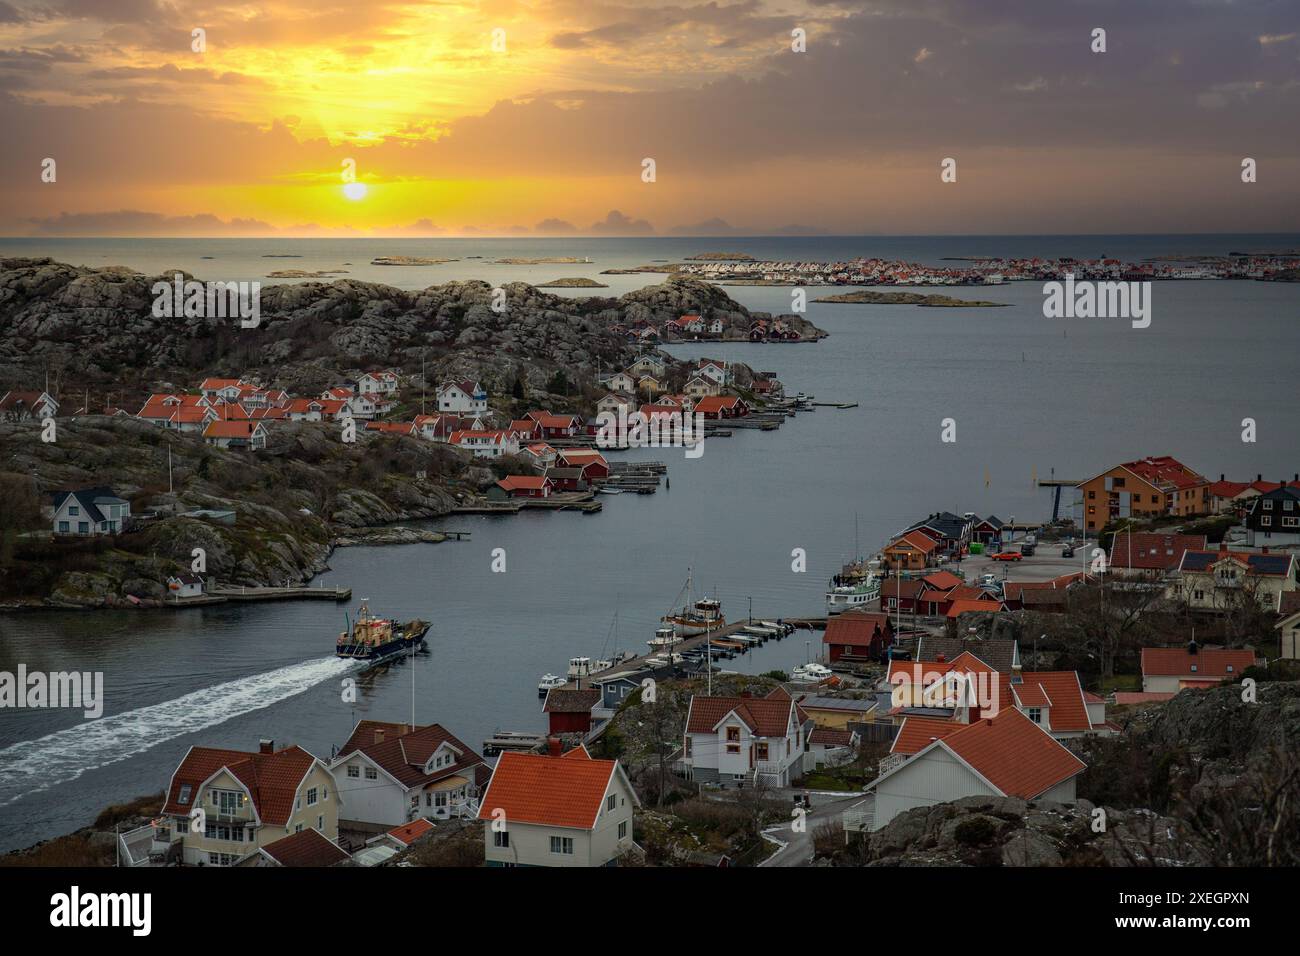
[(1193, 668), (1036, 714), (609, 803), (1268, 505), (74, 511), (1266, 520), (562, 845), (372, 773), (320, 822), (1229, 668), (297, 828), (761, 750), (688, 746), (501, 838), (311, 797), (1092, 494), (183, 825), (228, 801), (63, 527), (83, 527), (354, 771), (622, 830), (184, 797)]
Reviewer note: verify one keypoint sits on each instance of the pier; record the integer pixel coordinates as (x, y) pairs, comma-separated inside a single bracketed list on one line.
[(222, 595), (280, 594), (562, 501)]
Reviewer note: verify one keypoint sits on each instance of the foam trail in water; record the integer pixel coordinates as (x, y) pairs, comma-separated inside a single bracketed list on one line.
[(35, 765)]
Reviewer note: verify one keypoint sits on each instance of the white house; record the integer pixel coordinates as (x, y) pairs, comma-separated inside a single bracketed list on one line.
[(701, 386), (485, 444), (745, 741), (1003, 756), (184, 585), (364, 407), (646, 365), (389, 774), (463, 398), (378, 383), (25, 406), (715, 326), (224, 388), (90, 511), (620, 382), (553, 810), (714, 370)]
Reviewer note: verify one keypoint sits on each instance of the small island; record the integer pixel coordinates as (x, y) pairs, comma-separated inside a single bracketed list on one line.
[(408, 261), (933, 300), (305, 273), (574, 283), (543, 261), (721, 257)]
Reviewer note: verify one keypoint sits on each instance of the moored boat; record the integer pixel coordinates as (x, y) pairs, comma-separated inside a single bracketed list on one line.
[(548, 683), (846, 597), (373, 639)]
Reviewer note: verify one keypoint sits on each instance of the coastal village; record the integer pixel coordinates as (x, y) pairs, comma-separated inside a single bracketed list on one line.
[(968, 673), (971, 663), (745, 270)]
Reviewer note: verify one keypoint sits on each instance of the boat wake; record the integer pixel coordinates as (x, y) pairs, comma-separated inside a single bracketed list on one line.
[(35, 765)]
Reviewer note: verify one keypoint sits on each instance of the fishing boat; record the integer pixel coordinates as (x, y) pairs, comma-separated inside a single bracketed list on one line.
[(548, 683), (845, 597), (693, 619), (373, 638)]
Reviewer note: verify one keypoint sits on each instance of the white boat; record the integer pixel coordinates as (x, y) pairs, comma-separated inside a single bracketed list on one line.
[(846, 597), (579, 666), (665, 637), (548, 683), (810, 673)]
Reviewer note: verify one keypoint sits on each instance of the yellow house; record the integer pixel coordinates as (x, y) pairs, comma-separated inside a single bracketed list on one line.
[(227, 804)]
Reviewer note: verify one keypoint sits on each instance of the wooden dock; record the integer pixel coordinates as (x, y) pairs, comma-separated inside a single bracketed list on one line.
[(565, 501), (280, 594)]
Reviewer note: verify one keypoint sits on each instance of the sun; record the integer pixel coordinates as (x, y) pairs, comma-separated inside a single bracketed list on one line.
[(354, 191)]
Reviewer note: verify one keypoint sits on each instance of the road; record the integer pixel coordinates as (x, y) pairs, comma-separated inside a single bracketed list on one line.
[(798, 849)]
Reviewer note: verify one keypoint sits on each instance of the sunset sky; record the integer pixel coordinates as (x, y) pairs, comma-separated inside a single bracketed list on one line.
[(547, 137)]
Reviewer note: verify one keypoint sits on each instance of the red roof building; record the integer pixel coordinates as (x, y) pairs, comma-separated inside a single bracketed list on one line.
[(858, 635)]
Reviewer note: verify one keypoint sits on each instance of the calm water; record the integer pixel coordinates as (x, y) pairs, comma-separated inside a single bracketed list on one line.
[(1028, 394)]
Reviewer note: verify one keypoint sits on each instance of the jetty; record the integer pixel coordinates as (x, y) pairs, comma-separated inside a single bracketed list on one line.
[(280, 594), (584, 502), (215, 594), (510, 740)]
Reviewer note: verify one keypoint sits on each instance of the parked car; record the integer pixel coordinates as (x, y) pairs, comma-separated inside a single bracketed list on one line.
[(1027, 549), (1007, 556), (1067, 551)]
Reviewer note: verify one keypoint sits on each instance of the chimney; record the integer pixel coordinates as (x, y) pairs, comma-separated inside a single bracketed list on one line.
[(553, 746), (1191, 646), (1221, 476), (379, 735), (1259, 477), (265, 746), (940, 658)]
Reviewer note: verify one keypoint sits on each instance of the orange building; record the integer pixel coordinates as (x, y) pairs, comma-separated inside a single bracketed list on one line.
[(1143, 489), (911, 552)]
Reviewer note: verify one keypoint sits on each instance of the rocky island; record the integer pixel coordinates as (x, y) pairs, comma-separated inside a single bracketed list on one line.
[(925, 300), (89, 337)]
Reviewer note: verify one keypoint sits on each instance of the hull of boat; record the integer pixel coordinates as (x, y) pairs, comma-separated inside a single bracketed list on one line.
[(685, 627), (404, 641)]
